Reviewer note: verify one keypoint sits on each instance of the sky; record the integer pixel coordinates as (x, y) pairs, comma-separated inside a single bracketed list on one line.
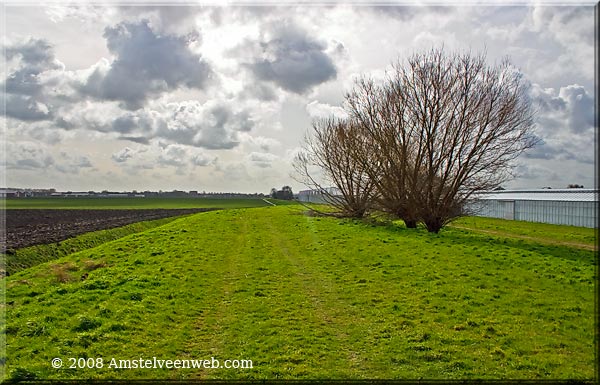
[(219, 98)]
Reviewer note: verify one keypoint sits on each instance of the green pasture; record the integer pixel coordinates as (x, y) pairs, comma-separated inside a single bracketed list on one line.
[(308, 297)]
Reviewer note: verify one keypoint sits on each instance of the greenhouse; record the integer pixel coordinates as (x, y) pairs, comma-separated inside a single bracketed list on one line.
[(575, 207)]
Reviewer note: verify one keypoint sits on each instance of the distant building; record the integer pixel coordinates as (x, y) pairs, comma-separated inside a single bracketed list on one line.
[(575, 207), (11, 192), (285, 193), (319, 196), (78, 194), (8, 193), (175, 194)]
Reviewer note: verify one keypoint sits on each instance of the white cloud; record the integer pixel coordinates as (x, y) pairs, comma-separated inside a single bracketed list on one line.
[(262, 159), (323, 110), (290, 58), (259, 142), (37, 157), (146, 64), (203, 160), (223, 95), (72, 163), (214, 124), (569, 109), (28, 156), (123, 154)]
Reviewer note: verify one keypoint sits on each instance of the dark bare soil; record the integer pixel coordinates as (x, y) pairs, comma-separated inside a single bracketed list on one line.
[(42, 226)]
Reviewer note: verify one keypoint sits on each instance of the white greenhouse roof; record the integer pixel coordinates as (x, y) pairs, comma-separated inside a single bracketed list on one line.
[(572, 194)]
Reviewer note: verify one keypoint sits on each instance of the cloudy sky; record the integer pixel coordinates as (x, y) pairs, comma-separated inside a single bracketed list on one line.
[(219, 98)]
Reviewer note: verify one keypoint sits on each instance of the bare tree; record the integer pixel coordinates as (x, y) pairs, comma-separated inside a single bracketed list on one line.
[(376, 110), (440, 128), (333, 148), (461, 124)]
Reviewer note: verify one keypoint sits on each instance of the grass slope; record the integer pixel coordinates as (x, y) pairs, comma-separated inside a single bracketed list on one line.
[(308, 297), (580, 237), (130, 203), (34, 255)]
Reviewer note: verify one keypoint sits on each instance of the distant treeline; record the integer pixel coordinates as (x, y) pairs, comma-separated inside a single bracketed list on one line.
[(49, 193)]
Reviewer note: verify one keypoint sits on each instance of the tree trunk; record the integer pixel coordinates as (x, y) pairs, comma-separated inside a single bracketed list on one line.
[(411, 224), (434, 226)]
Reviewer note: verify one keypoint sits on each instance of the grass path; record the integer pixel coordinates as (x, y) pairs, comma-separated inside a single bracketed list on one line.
[(308, 297)]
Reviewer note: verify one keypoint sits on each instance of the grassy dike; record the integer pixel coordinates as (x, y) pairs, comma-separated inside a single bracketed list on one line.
[(27, 257), (307, 297)]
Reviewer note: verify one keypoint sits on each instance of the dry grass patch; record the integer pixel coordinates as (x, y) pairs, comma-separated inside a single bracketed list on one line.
[(63, 272), (91, 265)]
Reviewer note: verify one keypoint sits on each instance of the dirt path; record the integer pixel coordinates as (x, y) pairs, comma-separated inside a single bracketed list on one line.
[(584, 246)]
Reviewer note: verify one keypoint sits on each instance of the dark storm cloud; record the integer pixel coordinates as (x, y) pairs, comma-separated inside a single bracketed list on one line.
[(23, 88), (581, 112), (24, 81), (572, 105), (35, 56), (24, 108), (292, 59), (146, 65), (124, 124), (34, 52), (132, 123), (565, 125)]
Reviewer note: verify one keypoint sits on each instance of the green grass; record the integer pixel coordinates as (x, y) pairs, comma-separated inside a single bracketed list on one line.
[(130, 203), (34, 255), (308, 297), (541, 232)]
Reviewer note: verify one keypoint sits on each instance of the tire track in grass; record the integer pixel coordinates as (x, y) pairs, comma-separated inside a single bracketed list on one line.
[(263, 329), (321, 296), (211, 337), (307, 281), (240, 317)]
